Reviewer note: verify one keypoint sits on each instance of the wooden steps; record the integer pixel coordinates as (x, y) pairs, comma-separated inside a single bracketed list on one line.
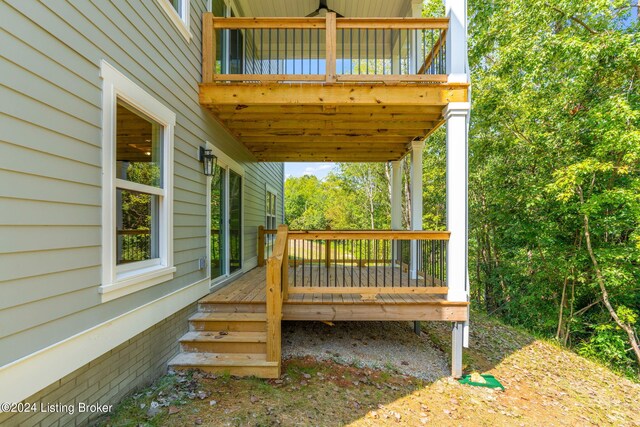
[(227, 337)]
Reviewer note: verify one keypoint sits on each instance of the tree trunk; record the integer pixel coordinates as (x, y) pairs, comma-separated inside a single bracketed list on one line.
[(633, 339)]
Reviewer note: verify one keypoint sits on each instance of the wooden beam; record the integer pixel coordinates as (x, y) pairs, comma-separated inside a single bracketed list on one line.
[(330, 47), (439, 78), (373, 311), (208, 48), (347, 158), (368, 234), (270, 22), (334, 117), (274, 145), (429, 290), (325, 109), (299, 123), (270, 77), (293, 139), (343, 94), (394, 23), (331, 133)]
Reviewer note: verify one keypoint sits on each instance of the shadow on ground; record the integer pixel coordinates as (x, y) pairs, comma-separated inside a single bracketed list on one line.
[(545, 385)]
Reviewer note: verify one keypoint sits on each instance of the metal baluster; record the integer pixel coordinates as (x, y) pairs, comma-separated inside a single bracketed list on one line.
[(269, 63), (278, 51), (384, 58), (359, 51), (367, 49), (394, 250), (286, 54), (295, 262), (311, 263), (293, 47), (319, 265), (318, 50), (342, 34), (302, 51), (391, 54), (351, 49), (375, 51), (310, 45), (351, 262), (360, 263), (384, 260), (375, 250), (261, 51)]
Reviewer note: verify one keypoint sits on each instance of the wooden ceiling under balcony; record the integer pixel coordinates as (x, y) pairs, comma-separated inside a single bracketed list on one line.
[(341, 113), (329, 122)]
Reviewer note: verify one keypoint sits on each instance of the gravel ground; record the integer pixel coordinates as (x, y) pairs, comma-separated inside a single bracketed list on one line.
[(391, 346)]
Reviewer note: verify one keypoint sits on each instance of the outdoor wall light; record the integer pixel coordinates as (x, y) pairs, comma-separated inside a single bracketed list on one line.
[(208, 160)]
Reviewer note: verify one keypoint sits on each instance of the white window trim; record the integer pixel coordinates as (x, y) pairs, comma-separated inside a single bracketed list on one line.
[(180, 20), (123, 280), (272, 190)]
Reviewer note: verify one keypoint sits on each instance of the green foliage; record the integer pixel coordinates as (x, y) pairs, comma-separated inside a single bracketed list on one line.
[(554, 143)]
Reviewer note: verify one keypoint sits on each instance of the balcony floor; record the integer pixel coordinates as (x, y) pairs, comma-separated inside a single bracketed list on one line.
[(347, 122), (249, 290)]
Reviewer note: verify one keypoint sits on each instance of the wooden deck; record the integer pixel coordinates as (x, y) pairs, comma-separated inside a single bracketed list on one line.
[(249, 290)]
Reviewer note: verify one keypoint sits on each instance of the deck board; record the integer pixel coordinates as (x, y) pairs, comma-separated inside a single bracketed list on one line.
[(250, 288)]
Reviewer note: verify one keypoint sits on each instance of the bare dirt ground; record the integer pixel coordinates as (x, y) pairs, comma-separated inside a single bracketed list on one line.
[(545, 386)]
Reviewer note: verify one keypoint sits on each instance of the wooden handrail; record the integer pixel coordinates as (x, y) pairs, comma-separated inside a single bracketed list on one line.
[(367, 234), (274, 295), (331, 24), (434, 52), (270, 22)]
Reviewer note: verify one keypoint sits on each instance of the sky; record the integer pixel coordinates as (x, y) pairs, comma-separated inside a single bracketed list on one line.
[(321, 170)]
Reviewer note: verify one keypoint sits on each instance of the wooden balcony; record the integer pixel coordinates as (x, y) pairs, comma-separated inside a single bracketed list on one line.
[(327, 89)]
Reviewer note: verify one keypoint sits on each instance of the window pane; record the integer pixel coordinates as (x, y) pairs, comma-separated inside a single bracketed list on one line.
[(235, 222), (177, 5), (138, 147), (218, 206), (136, 226)]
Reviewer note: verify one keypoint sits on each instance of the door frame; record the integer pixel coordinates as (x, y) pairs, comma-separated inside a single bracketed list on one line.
[(226, 163)]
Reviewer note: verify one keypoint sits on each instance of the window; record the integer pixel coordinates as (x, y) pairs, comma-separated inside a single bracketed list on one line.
[(226, 217), (178, 11), (137, 159), (271, 223)]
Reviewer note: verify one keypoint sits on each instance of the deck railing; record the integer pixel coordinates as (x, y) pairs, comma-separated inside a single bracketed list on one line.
[(367, 262), (133, 245), (326, 49), (275, 293)]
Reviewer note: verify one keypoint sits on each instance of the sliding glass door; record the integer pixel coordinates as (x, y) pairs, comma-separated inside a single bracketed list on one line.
[(226, 223)]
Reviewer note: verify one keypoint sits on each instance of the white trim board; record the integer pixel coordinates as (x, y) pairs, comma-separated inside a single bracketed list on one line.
[(36, 371), (181, 22)]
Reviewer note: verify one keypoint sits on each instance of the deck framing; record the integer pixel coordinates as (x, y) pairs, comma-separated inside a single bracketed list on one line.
[(249, 290)]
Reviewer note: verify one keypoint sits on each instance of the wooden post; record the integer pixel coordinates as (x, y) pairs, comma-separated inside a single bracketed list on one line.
[(260, 246), (274, 309), (285, 272), (327, 251), (331, 47), (208, 48)]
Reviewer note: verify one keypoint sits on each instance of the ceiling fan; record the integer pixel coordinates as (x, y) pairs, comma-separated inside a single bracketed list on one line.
[(322, 10)]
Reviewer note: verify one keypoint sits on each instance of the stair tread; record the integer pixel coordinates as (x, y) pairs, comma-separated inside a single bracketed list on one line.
[(228, 317), (220, 359), (212, 336)]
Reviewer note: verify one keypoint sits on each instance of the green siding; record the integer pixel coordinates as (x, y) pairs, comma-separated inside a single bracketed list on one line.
[(50, 159)]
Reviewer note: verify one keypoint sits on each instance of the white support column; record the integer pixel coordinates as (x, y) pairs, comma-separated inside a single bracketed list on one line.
[(416, 201), (457, 56), (456, 115), (396, 195)]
